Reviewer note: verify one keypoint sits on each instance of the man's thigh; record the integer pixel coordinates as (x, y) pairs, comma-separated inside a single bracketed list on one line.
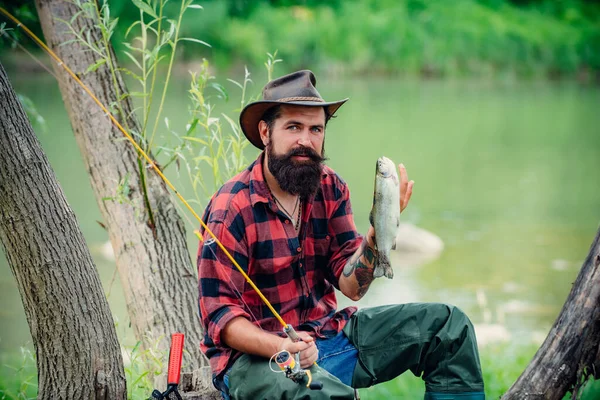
[(251, 378)]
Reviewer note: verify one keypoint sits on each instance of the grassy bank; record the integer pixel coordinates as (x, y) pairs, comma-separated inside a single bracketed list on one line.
[(501, 364)]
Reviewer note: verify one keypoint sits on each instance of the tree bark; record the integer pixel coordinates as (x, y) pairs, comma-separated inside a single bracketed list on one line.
[(78, 354), (152, 258), (571, 352)]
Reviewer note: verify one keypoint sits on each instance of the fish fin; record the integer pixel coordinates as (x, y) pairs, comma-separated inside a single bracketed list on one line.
[(385, 265), (390, 274), (396, 236), (378, 271)]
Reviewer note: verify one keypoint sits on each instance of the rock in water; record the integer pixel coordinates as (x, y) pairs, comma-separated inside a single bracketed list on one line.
[(385, 214)]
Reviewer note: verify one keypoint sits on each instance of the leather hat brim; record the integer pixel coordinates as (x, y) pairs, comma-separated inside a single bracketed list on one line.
[(253, 113)]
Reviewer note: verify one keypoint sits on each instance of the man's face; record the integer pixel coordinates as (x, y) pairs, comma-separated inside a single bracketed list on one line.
[(294, 148), (296, 127)]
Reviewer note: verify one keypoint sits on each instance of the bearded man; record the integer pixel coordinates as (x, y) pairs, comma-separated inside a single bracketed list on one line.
[(287, 221)]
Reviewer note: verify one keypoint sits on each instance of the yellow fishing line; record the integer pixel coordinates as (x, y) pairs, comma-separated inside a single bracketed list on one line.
[(148, 159)]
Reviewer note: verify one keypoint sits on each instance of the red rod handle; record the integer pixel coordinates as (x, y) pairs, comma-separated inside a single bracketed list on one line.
[(175, 358)]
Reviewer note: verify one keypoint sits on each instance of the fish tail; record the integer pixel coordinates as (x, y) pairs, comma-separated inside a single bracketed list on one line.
[(384, 264), (378, 271)]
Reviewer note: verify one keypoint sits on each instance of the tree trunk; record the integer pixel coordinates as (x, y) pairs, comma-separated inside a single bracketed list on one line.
[(78, 354), (152, 258), (571, 352)]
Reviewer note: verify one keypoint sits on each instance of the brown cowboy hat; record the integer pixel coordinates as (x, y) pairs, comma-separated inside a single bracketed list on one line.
[(297, 88)]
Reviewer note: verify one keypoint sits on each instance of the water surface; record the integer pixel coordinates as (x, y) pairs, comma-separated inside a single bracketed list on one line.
[(506, 175)]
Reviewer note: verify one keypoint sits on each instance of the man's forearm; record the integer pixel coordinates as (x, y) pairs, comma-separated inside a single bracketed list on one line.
[(358, 271), (244, 336)]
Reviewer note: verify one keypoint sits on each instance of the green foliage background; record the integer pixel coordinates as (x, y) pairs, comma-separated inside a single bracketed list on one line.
[(415, 36), (425, 37)]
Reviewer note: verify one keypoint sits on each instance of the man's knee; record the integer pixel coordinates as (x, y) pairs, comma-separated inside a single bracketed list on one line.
[(451, 313), (461, 322), (450, 324)]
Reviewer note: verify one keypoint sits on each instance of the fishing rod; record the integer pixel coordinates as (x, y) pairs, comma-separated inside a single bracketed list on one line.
[(287, 328)]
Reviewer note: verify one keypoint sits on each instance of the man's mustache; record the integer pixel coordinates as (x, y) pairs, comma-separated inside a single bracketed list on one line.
[(306, 152)]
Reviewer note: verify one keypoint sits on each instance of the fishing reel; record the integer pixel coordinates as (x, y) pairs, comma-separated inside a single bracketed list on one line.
[(290, 365)]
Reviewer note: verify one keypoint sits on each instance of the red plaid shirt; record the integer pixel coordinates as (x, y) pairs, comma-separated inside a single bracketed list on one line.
[(296, 272)]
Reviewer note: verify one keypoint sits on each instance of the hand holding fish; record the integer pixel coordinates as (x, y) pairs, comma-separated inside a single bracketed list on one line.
[(391, 194)]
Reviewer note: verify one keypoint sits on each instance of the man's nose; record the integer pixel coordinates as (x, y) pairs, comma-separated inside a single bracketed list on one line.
[(304, 139)]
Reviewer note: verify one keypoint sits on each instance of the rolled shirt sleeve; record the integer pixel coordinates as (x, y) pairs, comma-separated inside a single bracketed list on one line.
[(220, 282)]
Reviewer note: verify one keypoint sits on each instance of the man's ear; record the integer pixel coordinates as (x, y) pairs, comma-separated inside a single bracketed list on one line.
[(263, 130)]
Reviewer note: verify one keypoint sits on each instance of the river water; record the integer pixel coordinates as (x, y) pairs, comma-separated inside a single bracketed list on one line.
[(507, 176)]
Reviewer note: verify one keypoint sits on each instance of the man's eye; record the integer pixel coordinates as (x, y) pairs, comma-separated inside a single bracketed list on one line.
[(316, 129), (293, 127)]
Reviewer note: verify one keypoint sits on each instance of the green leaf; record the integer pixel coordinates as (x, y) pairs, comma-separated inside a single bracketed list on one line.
[(145, 8), (128, 54), (74, 17), (96, 65), (168, 35), (68, 42), (136, 346), (140, 377), (103, 30), (130, 73), (232, 123), (133, 48), (91, 6), (219, 88), (236, 83), (131, 27), (193, 139), (206, 159), (112, 25), (195, 40), (192, 126)]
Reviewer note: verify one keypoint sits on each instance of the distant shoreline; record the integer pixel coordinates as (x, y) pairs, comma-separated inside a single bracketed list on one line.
[(17, 60)]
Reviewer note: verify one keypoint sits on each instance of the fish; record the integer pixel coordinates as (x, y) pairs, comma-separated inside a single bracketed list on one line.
[(385, 215)]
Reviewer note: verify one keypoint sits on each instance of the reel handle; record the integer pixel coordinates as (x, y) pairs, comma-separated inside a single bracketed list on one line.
[(291, 333), (316, 385)]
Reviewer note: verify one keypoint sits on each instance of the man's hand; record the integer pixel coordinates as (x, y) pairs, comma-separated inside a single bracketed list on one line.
[(406, 187), (306, 346)]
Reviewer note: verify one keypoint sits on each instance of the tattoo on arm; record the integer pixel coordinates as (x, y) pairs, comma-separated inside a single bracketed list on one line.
[(361, 264)]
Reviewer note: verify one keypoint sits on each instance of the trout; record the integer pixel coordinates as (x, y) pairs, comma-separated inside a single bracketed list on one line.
[(385, 215)]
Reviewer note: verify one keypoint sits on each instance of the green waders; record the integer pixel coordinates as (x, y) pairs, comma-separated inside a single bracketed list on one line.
[(434, 341)]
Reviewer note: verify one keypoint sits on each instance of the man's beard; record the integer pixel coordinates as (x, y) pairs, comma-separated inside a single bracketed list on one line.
[(297, 177)]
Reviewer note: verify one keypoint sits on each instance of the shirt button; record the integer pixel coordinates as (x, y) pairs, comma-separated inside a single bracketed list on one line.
[(287, 221), (299, 249)]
